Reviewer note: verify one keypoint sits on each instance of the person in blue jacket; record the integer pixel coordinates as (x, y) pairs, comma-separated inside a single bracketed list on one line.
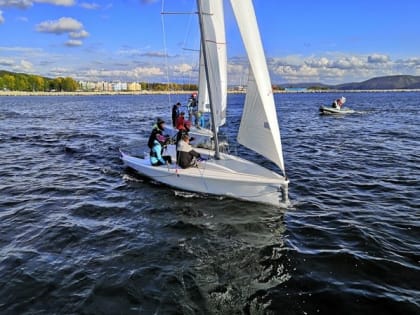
[(156, 157)]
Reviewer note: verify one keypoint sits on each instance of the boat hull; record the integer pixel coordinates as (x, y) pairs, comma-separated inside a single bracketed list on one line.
[(230, 176), (324, 110)]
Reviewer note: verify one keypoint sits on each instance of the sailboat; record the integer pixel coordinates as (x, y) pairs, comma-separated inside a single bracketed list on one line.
[(215, 32), (220, 173)]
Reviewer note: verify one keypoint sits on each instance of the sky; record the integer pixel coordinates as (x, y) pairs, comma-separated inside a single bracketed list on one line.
[(325, 41)]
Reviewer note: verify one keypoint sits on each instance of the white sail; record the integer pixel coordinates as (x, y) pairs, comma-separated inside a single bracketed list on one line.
[(259, 129), (203, 93), (215, 46)]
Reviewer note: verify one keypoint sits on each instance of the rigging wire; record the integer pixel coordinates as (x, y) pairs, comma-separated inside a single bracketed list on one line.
[(189, 59), (165, 51)]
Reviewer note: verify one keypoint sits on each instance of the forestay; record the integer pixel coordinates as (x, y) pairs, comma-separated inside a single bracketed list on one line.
[(259, 129)]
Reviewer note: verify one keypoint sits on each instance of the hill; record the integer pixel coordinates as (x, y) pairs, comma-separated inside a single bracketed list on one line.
[(383, 83)]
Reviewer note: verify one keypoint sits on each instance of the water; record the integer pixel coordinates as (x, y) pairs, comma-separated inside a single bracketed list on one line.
[(81, 235)]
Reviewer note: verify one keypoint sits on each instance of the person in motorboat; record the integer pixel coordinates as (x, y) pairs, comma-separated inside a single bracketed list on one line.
[(338, 103), (175, 113), (158, 129), (156, 151), (186, 156)]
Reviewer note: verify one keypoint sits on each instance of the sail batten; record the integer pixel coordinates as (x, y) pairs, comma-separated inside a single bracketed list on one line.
[(259, 129)]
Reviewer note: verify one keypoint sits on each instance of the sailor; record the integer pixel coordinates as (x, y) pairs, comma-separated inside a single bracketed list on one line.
[(192, 106), (186, 156), (338, 103), (183, 127), (175, 113), (156, 151), (158, 129)]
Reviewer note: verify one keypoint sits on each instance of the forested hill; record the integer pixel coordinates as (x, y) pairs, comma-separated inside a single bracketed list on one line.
[(383, 83), (13, 81)]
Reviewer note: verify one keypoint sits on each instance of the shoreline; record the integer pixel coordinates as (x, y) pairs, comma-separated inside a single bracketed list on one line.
[(111, 93)]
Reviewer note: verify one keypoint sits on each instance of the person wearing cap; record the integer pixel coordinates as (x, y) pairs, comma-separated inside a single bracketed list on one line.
[(338, 103), (186, 156), (158, 129), (175, 113)]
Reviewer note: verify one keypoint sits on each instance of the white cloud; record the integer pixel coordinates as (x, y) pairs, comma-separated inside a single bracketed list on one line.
[(349, 62), (26, 65), (182, 68), (138, 73), (378, 58), (24, 4), (74, 43), (60, 26), (80, 34), (339, 68), (21, 4), (1, 17), (66, 3), (6, 62), (90, 6)]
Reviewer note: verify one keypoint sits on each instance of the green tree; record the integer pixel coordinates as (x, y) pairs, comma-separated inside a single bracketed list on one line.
[(69, 85), (9, 82)]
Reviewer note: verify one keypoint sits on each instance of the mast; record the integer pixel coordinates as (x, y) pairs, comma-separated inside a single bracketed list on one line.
[(212, 109)]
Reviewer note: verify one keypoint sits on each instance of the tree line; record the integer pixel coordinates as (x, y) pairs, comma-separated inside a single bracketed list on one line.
[(28, 82)]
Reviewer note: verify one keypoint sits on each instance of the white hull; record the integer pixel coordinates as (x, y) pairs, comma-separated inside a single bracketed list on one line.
[(230, 176), (324, 110)]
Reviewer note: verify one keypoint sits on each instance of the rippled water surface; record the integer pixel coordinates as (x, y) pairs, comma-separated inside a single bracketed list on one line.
[(79, 234)]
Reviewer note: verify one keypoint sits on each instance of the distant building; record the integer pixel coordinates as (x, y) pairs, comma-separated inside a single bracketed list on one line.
[(133, 86)]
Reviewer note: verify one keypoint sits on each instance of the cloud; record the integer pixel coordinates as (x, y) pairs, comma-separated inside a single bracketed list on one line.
[(26, 65), (1, 17), (90, 6), (66, 3), (155, 54), (140, 53), (60, 26), (377, 58), (74, 43), (80, 34), (18, 49), (6, 62), (335, 68), (68, 25), (20, 4), (24, 4), (346, 63), (182, 68), (142, 73)]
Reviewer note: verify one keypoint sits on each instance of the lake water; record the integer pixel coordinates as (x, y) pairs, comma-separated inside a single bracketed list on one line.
[(79, 234)]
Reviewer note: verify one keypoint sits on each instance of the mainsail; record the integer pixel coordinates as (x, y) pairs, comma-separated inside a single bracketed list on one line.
[(214, 44), (259, 129), (203, 92)]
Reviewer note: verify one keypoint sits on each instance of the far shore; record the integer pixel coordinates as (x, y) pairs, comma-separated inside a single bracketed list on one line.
[(90, 93)]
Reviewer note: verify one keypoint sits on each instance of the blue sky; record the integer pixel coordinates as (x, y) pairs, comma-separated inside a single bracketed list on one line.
[(305, 40)]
